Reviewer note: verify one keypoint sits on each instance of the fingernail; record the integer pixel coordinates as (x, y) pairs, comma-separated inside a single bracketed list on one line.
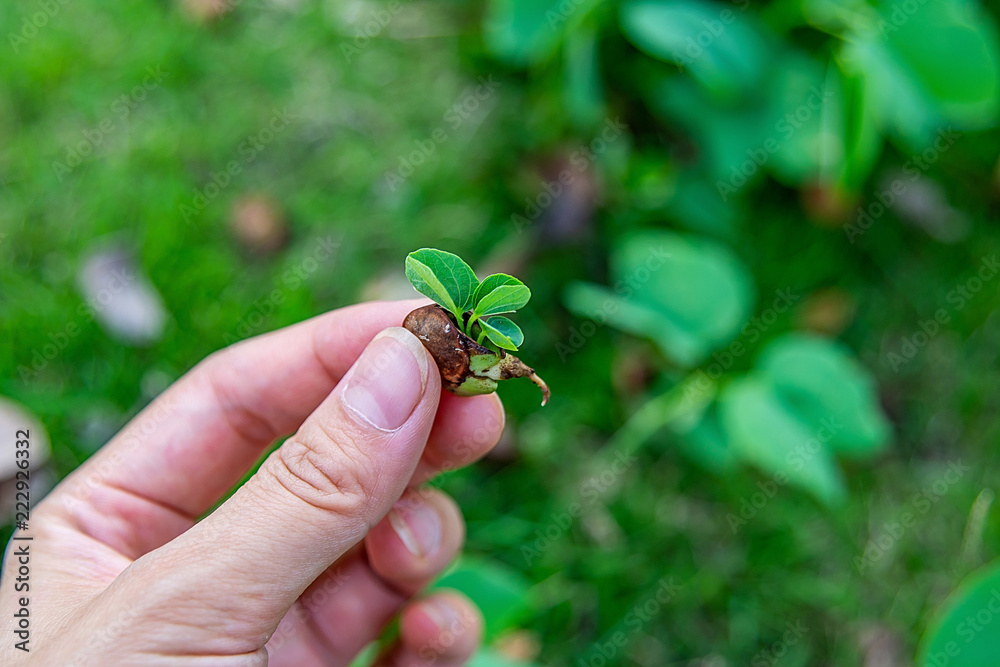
[(443, 614), (388, 380), (418, 526)]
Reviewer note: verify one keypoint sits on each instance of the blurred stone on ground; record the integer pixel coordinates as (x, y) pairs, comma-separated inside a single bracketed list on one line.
[(519, 646), (882, 648), (827, 311), (390, 286), (257, 223), (120, 296), (13, 418), (923, 204), (828, 205), (207, 10)]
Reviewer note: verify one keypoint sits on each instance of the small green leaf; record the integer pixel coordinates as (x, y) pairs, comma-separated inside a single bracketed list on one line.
[(490, 283), (504, 299), (442, 277), (503, 332)]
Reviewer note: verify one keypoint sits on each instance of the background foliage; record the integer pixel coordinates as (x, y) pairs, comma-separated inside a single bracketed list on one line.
[(760, 240)]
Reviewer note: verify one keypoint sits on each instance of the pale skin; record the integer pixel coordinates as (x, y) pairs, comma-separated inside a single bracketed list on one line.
[(306, 562)]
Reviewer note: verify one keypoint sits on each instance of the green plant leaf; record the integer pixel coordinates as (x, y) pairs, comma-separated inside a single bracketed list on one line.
[(443, 278), (603, 305), (503, 299), (799, 91), (764, 432), (930, 43), (733, 60), (503, 333), (523, 32), (722, 132), (915, 84), (490, 283), (819, 380), (687, 294), (954, 637)]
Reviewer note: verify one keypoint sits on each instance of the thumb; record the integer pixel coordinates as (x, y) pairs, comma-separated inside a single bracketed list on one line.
[(312, 499)]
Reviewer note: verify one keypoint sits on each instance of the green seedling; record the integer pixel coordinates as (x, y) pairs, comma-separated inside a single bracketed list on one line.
[(467, 333)]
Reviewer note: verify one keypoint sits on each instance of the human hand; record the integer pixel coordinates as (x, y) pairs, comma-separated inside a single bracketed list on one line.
[(304, 564)]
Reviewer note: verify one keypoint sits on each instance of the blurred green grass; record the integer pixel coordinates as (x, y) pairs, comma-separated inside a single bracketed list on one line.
[(793, 562)]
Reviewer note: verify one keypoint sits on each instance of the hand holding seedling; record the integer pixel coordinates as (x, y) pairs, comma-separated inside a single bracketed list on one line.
[(308, 560), (468, 338)]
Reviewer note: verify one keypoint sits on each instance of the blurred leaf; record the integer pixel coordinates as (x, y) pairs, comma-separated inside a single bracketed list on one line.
[(499, 592), (503, 333), (763, 431), (799, 97), (687, 294), (522, 32), (820, 381), (849, 117), (931, 42), (911, 59), (630, 316), (715, 42), (725, 135), (960, 634), (583, 89), (698, 284)]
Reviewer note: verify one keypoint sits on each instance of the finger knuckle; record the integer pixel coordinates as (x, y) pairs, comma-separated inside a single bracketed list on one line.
[(327, 471)]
